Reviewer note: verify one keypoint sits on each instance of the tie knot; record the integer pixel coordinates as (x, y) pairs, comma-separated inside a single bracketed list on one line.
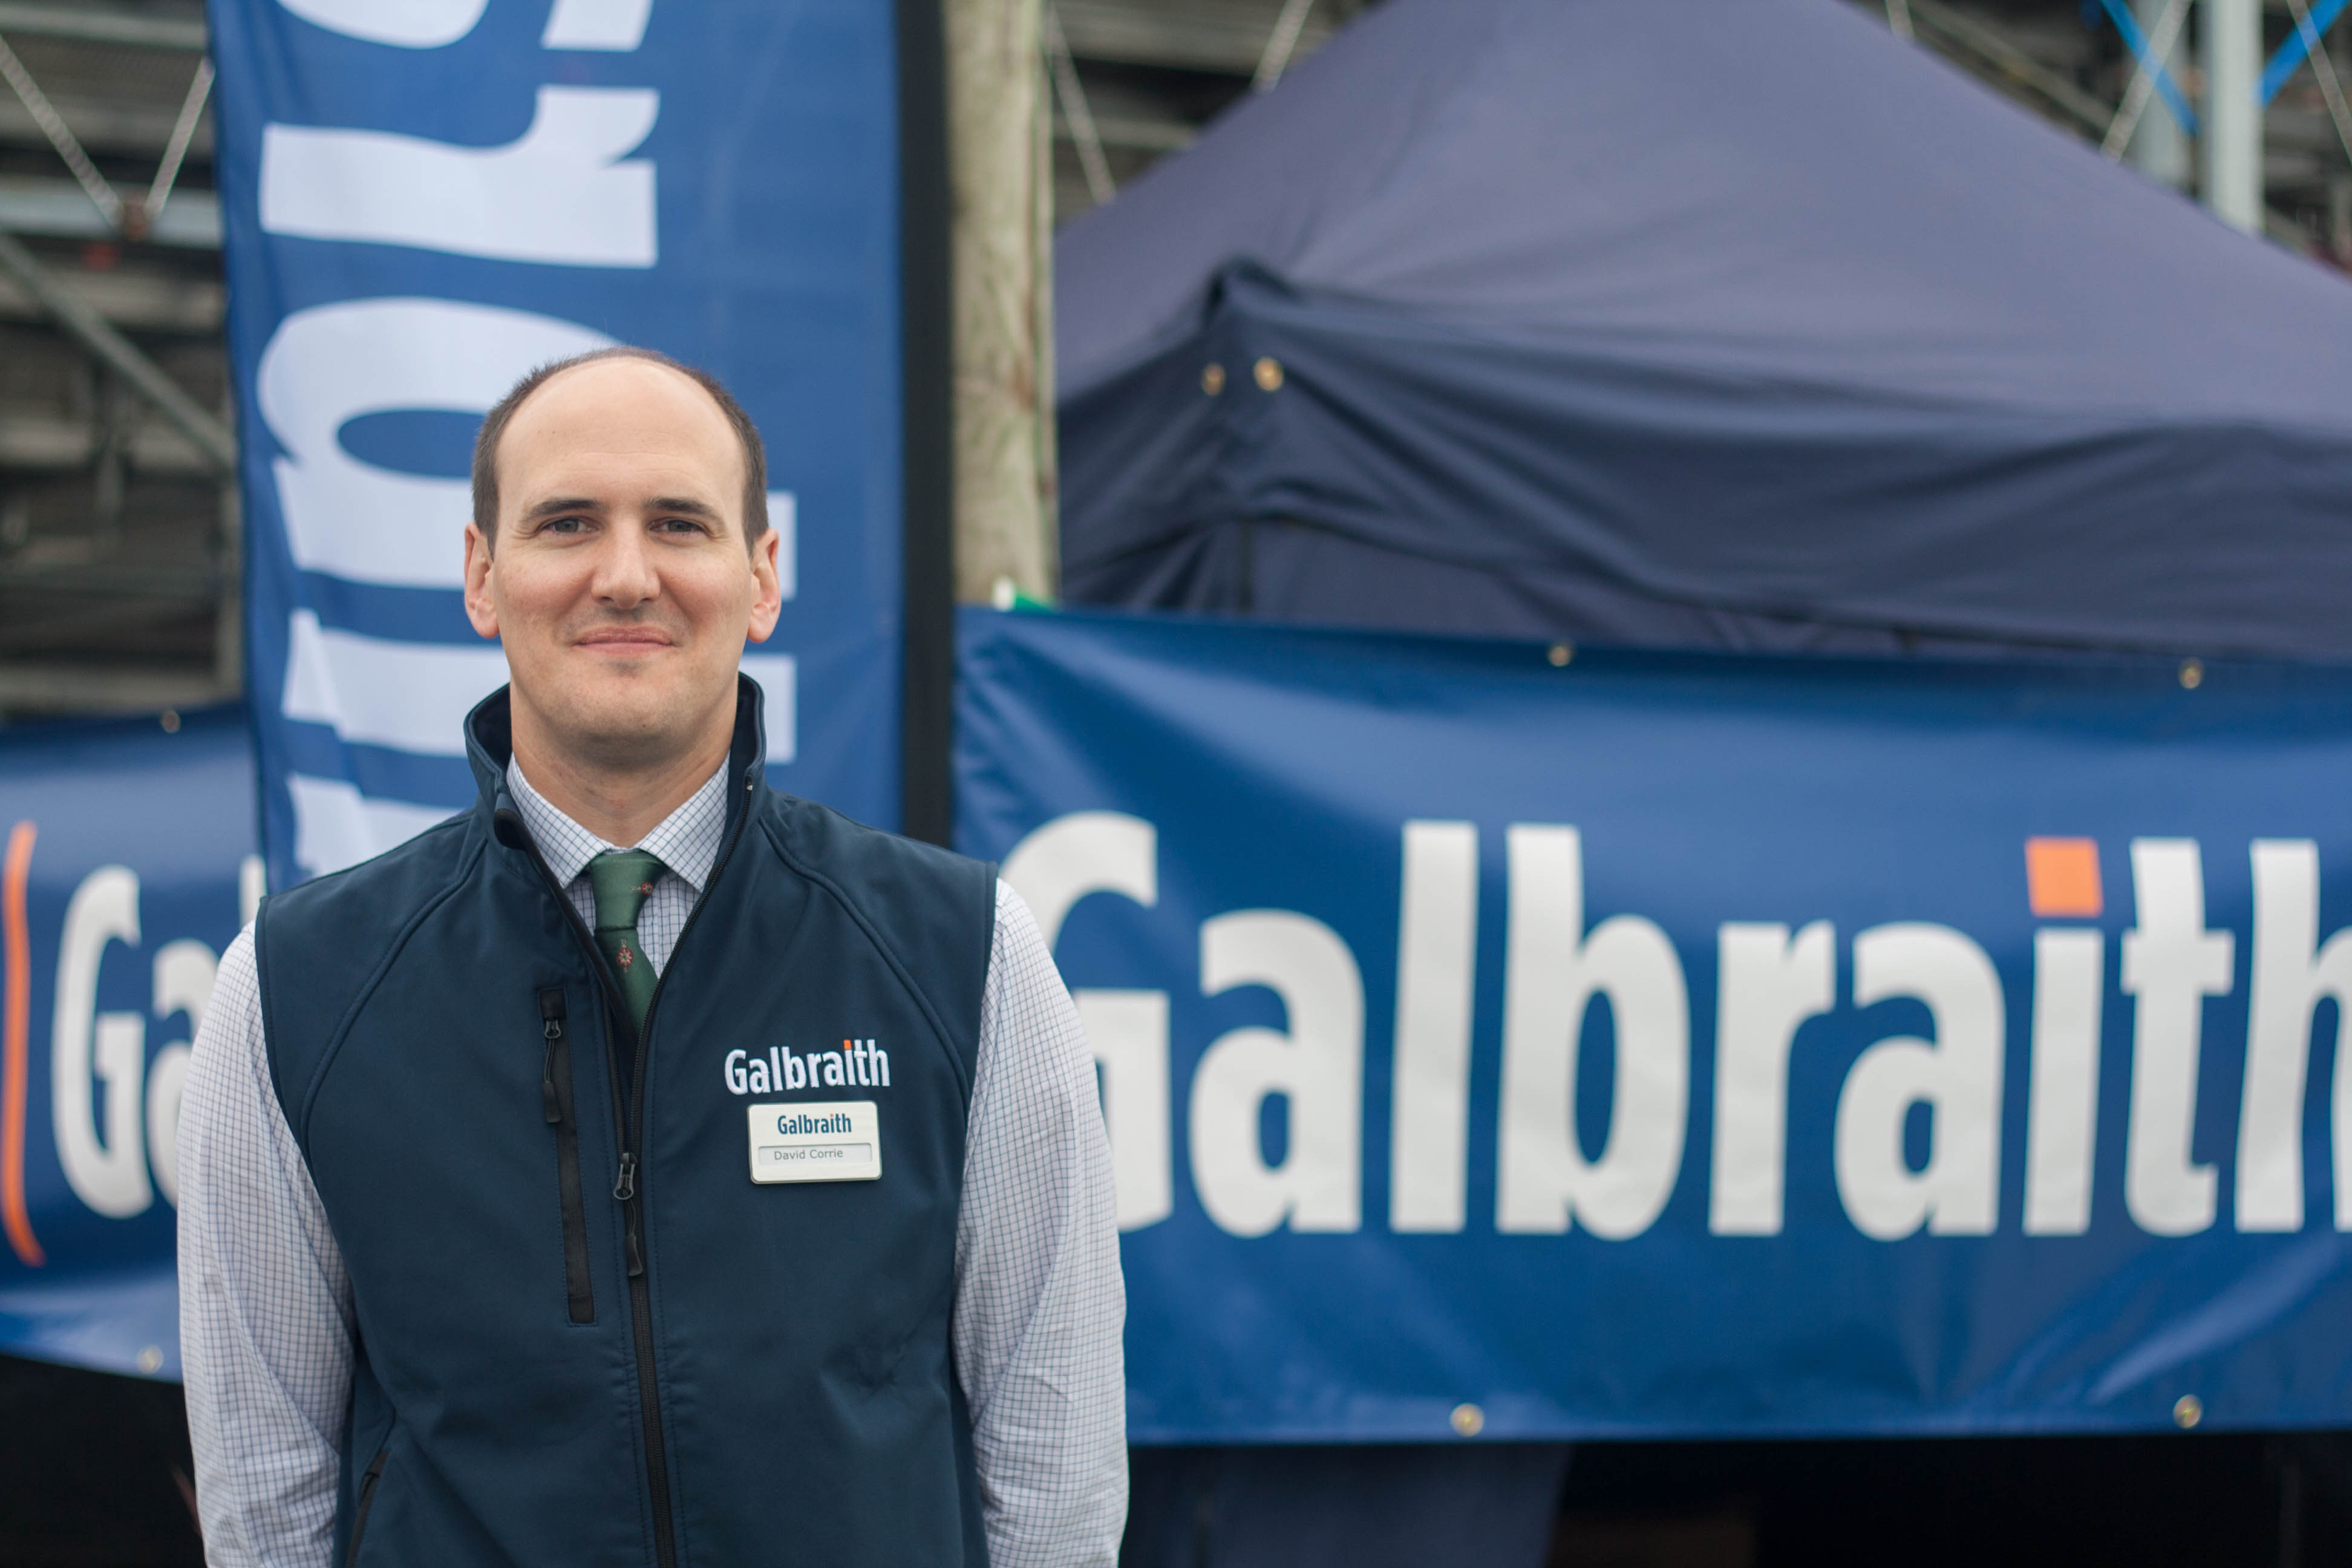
[(622, 880)]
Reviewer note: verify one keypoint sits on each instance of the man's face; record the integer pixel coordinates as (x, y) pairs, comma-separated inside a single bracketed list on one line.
[(620, 584)]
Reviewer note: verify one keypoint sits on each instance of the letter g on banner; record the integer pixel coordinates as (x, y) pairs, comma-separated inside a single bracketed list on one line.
[(108, 1173), (1073, 858)]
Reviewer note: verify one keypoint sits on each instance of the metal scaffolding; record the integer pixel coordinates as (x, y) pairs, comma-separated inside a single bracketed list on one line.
[(118, 527)]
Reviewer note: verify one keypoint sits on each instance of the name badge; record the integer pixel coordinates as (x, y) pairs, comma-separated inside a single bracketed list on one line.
[(833, 1140)]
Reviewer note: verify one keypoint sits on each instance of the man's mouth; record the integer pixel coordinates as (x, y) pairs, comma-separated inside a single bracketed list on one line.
[(623, 639)]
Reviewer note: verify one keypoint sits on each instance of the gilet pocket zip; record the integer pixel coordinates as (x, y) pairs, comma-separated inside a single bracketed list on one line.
[(367, 1501), (555, 1097)]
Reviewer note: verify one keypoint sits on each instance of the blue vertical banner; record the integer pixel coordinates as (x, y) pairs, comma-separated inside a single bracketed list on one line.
[(423, 203)]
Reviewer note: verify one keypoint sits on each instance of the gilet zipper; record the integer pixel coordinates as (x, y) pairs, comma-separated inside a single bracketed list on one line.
[(555, 1096), (629, 1113), (367, 1500)]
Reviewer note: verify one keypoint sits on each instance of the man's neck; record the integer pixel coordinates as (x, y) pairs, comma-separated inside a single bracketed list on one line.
[(619, 806)]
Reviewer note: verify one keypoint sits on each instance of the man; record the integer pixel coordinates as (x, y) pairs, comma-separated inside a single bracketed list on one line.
[(646, 1166)]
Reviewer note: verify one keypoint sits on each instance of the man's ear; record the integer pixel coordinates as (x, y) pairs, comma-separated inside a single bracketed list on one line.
[(479, 608), (767, 594)]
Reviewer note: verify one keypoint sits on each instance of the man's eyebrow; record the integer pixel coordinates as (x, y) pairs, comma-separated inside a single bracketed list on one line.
[(555, 506), (686, 505)]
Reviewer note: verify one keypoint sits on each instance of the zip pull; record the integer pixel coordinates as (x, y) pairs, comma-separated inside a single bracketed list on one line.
[(626, 1187), (551, 1010)]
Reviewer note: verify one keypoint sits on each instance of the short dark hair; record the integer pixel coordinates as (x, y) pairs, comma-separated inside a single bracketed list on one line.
[(494, 430)]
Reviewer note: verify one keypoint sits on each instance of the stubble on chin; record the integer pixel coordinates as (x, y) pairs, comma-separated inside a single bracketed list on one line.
[(623, 725), (603, 716)]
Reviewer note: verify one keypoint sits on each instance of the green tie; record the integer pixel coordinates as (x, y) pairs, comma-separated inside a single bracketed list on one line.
[(622, 880)]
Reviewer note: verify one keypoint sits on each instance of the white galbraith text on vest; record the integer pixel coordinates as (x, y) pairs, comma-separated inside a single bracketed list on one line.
[(861, 1063)]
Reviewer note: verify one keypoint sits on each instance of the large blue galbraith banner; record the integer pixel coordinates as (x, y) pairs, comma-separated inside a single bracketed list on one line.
[(126, 866), (1645, 1045), (423, 202)]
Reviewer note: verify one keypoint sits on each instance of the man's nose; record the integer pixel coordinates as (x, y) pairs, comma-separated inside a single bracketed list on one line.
[(625, 575)]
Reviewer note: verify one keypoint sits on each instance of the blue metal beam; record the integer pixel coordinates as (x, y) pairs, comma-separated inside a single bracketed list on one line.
[(2167, 88), (2290, 55)]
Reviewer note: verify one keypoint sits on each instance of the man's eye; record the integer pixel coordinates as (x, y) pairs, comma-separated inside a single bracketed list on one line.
[(565, 525), (678, 525)]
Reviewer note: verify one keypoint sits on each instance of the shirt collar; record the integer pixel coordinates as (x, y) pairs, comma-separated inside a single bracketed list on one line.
[(686, 841)]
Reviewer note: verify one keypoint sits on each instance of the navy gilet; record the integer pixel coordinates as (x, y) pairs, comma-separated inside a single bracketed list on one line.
[(584, 1334)]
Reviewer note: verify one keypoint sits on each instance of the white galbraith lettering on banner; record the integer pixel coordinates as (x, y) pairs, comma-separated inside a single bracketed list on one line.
[(564, 193), (116, 1114), (1437, 950), (378, 693), (777, 674), (2061, 1118), (618, 25), (331, 364), (107, 1169), (1769, 982), (183, 976), (1077, 856), (335, 826), (402, 24), (2171, 964), (1957, 1075), (1074, 858), (1765, 985), (1316, 1066), (784, 517), (2293, 974), (1553, 972), (1128, 1031)]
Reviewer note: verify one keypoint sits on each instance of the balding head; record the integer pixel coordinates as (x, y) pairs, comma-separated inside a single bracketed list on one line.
[(753, 454), (626, 494)]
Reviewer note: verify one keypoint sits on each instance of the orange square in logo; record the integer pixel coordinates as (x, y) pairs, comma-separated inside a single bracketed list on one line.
[(2062, 877)]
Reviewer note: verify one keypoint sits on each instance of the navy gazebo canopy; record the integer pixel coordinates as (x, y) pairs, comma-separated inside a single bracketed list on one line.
[(1681, 323)]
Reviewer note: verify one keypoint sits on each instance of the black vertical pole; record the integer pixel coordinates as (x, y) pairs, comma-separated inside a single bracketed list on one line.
[(927, 428)]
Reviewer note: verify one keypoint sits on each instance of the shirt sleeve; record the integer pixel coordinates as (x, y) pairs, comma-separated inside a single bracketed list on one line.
[(1040, 1304), (265, 1304)]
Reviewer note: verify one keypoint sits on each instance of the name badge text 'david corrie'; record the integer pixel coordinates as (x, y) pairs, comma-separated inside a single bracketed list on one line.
[(836, 1141)]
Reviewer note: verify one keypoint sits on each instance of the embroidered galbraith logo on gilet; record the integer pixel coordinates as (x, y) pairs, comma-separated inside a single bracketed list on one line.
[(853, 1064)]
